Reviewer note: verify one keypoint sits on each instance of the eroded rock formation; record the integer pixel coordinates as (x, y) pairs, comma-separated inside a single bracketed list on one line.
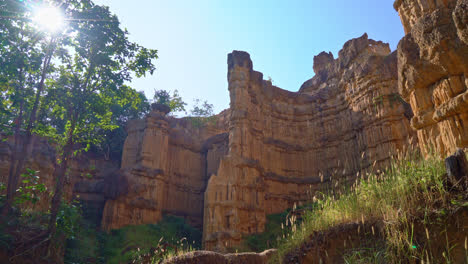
[(432, 71), (285, 145), (270, 150), (165, 165)]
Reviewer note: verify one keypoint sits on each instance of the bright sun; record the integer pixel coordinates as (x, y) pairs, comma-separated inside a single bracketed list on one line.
[(49, 18)]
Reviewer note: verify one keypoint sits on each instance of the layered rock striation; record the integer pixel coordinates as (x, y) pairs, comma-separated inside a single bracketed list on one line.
[(272, 149), (283, 146), (432, 71), (165, 165)]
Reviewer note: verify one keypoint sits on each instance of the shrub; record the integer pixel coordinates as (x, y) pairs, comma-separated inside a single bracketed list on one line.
[(172, 235)]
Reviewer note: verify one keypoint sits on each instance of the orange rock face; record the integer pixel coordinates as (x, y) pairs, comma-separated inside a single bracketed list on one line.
[(283, 146), (165, 165), (432, 71)]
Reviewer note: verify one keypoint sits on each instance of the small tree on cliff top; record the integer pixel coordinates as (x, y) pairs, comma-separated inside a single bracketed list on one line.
[(202, 109), (174, 101), (202, 113)]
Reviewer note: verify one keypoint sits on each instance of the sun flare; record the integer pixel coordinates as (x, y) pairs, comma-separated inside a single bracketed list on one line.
[(49, 18)]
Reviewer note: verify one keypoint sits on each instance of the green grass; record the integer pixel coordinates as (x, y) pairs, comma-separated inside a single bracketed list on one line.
[(366, 255), (411, 192)]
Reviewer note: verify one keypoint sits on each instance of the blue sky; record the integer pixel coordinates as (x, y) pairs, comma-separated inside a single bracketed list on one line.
[(193, 38)]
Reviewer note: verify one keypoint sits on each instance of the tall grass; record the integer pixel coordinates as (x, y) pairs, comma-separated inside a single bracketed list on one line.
[(411, 190)]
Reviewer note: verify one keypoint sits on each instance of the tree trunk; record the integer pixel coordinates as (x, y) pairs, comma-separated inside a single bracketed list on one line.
[(56, 246), (457, 169), (59, 175), (13, 164), (14, 175), (16, 146)]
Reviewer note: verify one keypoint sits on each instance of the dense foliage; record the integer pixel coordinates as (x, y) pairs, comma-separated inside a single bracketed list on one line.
[(69, 85), (157, 241)]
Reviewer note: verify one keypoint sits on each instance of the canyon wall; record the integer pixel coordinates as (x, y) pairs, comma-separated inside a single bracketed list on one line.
[(433, 70), (284, 146), (274, 148)]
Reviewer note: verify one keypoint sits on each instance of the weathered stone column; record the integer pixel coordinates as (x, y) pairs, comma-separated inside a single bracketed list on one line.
[(234, 197), (138, 196)]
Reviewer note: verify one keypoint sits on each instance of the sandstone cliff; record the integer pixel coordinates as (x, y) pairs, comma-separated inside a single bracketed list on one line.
[(285, 145), (165, 165), (432, 71)]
